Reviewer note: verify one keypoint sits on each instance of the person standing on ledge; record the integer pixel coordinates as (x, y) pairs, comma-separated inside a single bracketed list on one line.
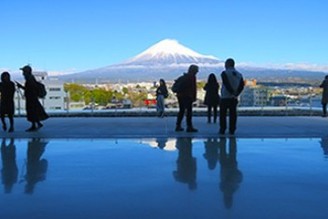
[(186, 96), (212, 97), (232, 86), (34, 110), (324, 99)]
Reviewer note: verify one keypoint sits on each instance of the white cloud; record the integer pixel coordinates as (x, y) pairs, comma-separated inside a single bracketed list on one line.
[(289, 66), (62, 72)]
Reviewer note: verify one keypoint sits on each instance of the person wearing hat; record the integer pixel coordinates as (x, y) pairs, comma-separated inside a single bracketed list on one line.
[(34, 110)]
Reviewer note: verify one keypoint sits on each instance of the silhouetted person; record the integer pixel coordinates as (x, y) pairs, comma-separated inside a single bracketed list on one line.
[(34, 110), (9, 170), (186, 163), (212, 97), (36, 168), (161, 94), (211, 152), (161, 142), (232, 86), (324, 146), (186, 97), (324, 98), (231, 176), (7, 106)]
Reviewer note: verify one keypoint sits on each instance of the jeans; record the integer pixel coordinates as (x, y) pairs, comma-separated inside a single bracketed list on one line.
[(160, 104)]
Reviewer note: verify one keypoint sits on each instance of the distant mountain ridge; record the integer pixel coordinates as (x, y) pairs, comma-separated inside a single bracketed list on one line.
[(168, 59)]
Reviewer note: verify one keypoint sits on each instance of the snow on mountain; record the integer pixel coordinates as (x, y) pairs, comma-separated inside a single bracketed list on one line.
[(168, 52)]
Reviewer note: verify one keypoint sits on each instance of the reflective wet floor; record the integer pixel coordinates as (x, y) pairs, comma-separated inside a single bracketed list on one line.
[(164, 178)]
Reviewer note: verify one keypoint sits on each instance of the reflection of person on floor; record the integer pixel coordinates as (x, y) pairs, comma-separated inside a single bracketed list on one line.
[(9, 170), (161, 142), (36, 167), (211, 152), (231, 176), (186, 163), (324, 145)]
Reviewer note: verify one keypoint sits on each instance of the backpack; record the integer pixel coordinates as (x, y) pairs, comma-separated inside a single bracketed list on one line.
[(42, 92), (179, 84)]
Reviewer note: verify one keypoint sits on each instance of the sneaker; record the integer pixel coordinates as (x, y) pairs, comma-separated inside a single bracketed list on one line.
[(191, 129), (179, 129)]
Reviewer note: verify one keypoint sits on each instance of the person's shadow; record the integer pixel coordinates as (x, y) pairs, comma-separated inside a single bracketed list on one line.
[(9, 170), (211, 152), (36, 168), (186, 163), (231, 176)]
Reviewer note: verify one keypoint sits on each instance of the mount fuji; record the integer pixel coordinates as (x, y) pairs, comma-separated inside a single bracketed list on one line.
[(168, 59)]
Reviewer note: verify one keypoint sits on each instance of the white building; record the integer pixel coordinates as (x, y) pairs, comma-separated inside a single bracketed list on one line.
[(54, 100)]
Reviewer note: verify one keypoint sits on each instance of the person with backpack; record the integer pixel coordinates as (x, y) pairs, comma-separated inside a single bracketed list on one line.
[(212, 98), (34, 110), (232, 86), (7, 106), (186, 94), (161, 94)]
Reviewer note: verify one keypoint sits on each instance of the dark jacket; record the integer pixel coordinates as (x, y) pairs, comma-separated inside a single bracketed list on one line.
[(162, 90), (7, 90), (34, 110), (189, 87), (212, 97)]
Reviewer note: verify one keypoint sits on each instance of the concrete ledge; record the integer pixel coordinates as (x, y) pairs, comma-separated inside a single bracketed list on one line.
[(148, 127)]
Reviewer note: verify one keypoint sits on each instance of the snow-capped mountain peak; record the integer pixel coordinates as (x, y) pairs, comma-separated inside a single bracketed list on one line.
[(170, 51), (169, 46)]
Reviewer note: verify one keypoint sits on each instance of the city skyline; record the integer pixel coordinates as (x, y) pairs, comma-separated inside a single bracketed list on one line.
[(73, 36)]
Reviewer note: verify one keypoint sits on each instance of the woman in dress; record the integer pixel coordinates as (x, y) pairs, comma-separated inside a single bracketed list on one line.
[(34, 110), (212, 97)]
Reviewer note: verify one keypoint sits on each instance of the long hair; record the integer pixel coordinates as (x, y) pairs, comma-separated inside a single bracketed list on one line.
[(162, 82), (212, 79)]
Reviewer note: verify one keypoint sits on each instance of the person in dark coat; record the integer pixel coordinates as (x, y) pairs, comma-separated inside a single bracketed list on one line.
[(161, 94), (324, 99), (7, 107), (212, 97), (186, 97), (34, 110)]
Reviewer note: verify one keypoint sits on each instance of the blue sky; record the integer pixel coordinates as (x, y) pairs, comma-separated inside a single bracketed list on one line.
[(75, 35)]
